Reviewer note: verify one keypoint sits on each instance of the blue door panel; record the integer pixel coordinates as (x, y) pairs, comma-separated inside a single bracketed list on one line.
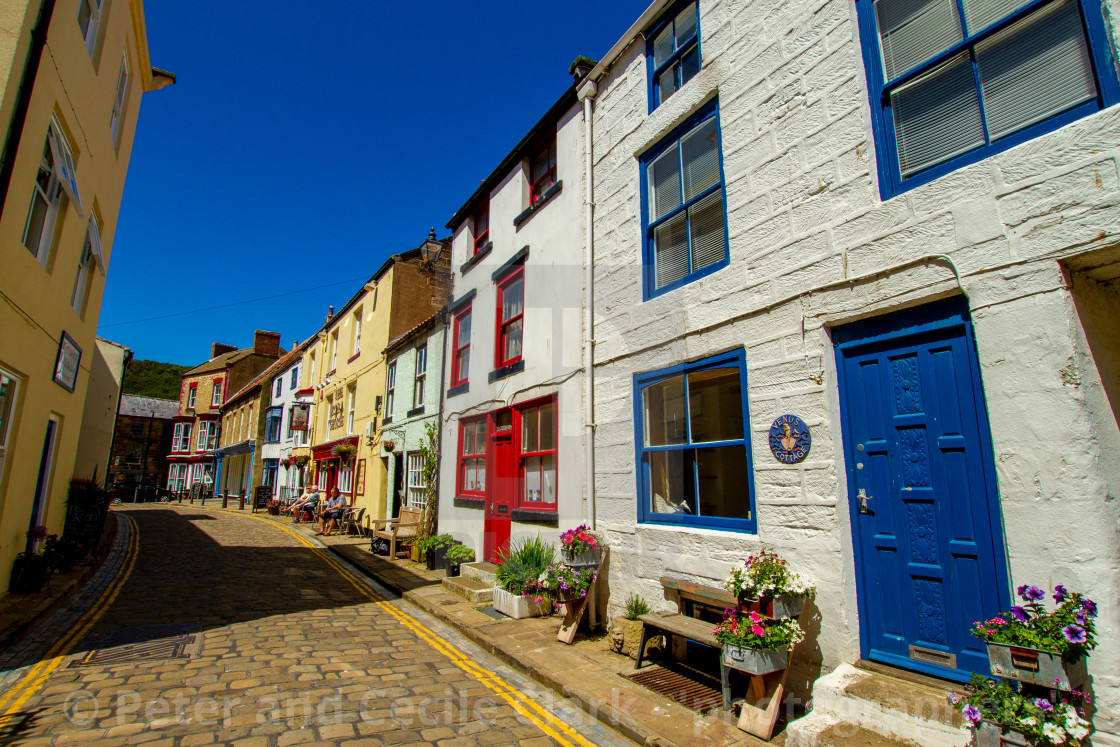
[(929, 548)]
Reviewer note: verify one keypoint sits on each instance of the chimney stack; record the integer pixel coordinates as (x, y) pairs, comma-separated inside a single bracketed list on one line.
[(220, 349), (266, 343), (580, 68)]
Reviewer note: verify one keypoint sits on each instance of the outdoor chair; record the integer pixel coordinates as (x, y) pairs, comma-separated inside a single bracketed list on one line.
[(403, 529), (352, 522)]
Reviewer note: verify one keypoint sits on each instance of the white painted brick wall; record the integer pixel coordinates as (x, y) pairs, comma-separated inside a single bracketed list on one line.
[(805, 223)]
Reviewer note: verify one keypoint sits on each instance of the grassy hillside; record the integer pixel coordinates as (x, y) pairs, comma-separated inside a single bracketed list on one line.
[(153, 379)]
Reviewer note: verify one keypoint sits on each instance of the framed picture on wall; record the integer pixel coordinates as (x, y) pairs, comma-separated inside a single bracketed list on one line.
[(66, 363), (360, 477)]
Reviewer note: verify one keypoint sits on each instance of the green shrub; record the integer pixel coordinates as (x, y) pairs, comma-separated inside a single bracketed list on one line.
[(636, 607), (459, 554), (431, 544), (525, 561)]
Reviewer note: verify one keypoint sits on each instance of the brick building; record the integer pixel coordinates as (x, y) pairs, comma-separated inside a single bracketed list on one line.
[(141, 441)]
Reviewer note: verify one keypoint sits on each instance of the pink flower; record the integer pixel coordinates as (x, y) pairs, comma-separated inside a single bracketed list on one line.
[(755, 617), (757, 630)]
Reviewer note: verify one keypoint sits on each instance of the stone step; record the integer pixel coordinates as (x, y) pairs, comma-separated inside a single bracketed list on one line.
[(473, 590), (895, 706), (486, 572)]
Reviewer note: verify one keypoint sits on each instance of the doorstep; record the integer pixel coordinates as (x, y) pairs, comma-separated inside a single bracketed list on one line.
[(587, 673)]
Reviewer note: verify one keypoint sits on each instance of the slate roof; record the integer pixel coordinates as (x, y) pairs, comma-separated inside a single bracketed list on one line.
[(142, 407)]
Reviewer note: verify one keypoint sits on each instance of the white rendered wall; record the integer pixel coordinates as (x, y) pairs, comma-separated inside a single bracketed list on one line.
[(812, 245)]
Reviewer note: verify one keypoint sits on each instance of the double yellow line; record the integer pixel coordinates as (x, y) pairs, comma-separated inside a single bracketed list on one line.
[(520, 702), (31, 682)]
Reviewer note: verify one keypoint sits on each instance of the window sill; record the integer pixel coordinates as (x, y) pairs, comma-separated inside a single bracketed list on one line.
[(352, 358), (545, 199), (415, 411), (478, 503), (505, 371), (387, 420), (459, 389), (511, 264), (331, 373), (533, 516), (478, 257)]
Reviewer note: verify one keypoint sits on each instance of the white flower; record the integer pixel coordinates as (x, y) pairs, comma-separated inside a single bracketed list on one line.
[(1071, 712), (1028, 721), (1077, 731), (1054, 733)]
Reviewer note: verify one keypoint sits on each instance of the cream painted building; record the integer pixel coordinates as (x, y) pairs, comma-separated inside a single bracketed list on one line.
[(346, 373), (71, 79), (103, 397)]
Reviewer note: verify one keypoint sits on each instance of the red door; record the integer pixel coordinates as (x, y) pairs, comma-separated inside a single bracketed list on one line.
[(499, 502)]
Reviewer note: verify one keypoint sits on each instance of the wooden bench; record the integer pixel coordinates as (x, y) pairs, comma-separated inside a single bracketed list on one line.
[(403, 529)]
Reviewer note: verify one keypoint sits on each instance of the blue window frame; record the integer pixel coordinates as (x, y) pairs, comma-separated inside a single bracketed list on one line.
[(673, 52), (269, 469), (295, 378), (692, 436), (272, 422), (279, 383), (955, 81), (683, 205)]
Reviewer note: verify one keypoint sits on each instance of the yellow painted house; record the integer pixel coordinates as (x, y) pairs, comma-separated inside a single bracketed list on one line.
[(345, 371), (72, 73)]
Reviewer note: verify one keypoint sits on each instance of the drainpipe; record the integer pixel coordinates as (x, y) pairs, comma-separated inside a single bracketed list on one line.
[(587, 93), (23, 99)]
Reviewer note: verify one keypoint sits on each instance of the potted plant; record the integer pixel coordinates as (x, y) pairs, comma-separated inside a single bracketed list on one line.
[(755, 644), (580, 547), (457, 555), (999, 714), (1041, 647), (564, 583), (766, 585), (434, 549), (518, 568), (626, 630), (60, 555), (344, 451)]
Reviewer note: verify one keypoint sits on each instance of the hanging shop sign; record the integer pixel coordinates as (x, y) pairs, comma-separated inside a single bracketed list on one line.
[(789, 439), (301, 414)]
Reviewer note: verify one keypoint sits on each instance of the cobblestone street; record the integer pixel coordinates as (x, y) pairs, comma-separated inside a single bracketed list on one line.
[(230, 629)]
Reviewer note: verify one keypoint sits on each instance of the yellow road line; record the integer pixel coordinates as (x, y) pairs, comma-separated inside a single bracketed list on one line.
[(520, 702), (35, 677)]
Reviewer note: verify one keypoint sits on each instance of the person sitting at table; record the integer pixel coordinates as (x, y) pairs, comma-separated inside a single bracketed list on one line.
[(306, 502), (331, 513)]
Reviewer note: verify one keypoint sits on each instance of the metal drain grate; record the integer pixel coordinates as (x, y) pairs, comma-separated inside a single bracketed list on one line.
[(489, 611), (692, 689), (123, 645)]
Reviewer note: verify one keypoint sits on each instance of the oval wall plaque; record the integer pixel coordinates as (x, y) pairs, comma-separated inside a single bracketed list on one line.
[(790, 439)]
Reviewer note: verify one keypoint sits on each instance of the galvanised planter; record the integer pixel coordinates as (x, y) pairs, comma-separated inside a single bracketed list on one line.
[(754, 661), (993, 735), (1037, 667), (583, 559)]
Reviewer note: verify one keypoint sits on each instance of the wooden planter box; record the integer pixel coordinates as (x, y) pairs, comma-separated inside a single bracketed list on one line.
[(753, 661), (519, 607), (994, 735), (775, 608), (1036, 667)]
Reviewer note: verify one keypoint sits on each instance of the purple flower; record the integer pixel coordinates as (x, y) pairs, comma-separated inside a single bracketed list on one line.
[(1019, 614), (1089, 606), (1080, 617), (954, 698), (971, 714), (1033, 594), (1060, 593), (1022, 590), (1043, 704), (1075, 634)]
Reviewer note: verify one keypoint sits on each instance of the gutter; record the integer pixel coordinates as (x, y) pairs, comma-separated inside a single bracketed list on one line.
[(639, 28), (23, 100)]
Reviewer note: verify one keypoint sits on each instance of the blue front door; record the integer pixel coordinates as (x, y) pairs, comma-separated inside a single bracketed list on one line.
[(925, 516)]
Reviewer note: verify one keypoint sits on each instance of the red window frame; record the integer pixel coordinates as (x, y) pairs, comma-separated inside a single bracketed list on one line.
[(482, 218), (525, 457), (461, 352), (542, 181), (479, 451), (505, 325)]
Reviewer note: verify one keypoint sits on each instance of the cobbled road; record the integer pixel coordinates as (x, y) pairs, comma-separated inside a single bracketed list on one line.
[(240, 632)]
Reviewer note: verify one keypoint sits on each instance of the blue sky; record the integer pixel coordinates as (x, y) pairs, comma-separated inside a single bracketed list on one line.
[(300, 150)]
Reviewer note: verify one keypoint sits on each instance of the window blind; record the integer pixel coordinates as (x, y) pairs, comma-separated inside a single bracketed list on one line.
[(913, 31)]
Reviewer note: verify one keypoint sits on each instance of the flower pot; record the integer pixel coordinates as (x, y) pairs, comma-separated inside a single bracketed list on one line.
[(585, 558), (430, 559), (519, 607), (994, 735), (452, 568), (1036, 667), (626, 635), (776, 608), (414, 553), (754, 661), (29, 574)]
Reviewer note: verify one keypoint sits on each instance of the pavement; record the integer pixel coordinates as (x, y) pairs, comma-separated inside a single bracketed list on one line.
[(206, 626)]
